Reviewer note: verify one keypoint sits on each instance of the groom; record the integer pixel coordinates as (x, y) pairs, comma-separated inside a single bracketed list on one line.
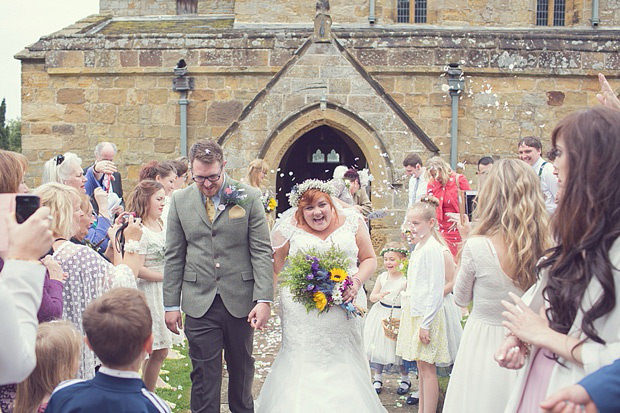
[(219, 270)]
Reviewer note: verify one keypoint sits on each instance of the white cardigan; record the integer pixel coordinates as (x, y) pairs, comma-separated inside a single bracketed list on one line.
[(21, 289), (594, 355)]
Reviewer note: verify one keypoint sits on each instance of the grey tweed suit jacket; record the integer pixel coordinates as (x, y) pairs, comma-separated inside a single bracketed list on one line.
[(230, 257)]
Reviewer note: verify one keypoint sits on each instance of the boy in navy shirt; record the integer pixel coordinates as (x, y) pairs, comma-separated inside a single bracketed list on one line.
[(118, 330)]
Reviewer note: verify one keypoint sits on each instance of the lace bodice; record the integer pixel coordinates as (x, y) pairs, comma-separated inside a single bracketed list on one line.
[(153, 246), (343, 237)]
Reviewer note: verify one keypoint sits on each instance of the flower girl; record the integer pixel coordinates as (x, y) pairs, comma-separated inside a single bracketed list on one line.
[(386, 294), (422, 335), (147, 202)]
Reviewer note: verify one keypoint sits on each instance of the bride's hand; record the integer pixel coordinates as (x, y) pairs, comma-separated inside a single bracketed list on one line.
[(351, 292)]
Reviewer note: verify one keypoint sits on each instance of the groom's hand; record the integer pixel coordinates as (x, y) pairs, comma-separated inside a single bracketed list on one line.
[(259, 315), (174, 321)]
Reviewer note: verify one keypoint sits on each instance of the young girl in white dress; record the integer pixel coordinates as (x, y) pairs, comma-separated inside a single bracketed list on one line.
[(147, 202), (422, 336), (381, 351)]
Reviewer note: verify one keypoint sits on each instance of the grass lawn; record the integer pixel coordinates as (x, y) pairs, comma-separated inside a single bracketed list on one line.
[(178, 378)]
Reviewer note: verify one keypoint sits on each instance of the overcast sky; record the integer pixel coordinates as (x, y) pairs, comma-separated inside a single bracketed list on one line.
[(23, 23)]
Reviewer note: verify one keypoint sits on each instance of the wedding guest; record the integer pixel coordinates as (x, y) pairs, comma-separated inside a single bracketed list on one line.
[(118, 330), (417, 178), (67, 169), (530, 151), (381, 350), (89, 275), (484, 167), (58, 354), (11, 180), (165, 174), (444, 185), (568, 321), (161, 172), (360, 198), (499, 256), (147, 202), (257, 177), (340, 187), (182, 169), (422, 336), (90, 230), (21, 287), (103, 173), (597, 392)]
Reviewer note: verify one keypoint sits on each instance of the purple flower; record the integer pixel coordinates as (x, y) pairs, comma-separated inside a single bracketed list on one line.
[(309, 287), (310, 277), (315, 266)]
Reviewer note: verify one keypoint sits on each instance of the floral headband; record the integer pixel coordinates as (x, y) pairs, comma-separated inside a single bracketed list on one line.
[(399, 250), (299, 190)]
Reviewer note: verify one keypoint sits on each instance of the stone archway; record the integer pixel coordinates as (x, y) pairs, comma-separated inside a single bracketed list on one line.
[(356, 129)]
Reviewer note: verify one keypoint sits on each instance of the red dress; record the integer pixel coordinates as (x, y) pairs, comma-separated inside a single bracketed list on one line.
[(448, 202)]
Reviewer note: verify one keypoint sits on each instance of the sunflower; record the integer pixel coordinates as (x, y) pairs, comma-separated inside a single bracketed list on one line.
[(272, 204), (320, 300), (338, 274)]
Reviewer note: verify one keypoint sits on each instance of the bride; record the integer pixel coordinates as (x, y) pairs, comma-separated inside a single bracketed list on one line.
[(321, 363)]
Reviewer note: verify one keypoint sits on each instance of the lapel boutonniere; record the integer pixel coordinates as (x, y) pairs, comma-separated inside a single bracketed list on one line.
[(232, 195)]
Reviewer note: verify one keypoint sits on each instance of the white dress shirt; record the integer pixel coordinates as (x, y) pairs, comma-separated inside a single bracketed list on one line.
[(417, 188), (548, 183)]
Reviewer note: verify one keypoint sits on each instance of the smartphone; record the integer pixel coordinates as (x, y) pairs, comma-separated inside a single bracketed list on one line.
[(24, 205), (470, 203)]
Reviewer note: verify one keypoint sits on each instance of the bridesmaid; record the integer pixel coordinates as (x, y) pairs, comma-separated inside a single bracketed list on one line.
[(256, 177), (499, 257)]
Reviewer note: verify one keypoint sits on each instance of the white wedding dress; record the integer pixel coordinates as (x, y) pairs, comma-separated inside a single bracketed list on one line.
[(321, 365)]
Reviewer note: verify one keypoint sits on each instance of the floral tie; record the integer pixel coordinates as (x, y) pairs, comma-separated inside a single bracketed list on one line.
[(210, 207)]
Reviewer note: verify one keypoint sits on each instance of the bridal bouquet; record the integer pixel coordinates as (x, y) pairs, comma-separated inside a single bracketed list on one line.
[(318, 280)]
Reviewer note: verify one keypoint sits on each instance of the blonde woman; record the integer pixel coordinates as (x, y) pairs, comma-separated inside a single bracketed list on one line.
[(58, 355), (443, 184), (89, 274), (256, 177), (510, 235)]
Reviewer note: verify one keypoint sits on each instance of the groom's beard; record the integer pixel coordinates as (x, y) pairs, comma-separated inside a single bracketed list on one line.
[(212, 189)]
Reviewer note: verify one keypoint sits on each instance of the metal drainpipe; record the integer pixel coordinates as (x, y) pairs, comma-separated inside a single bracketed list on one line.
[(595, 15), (372, 17), (182, 84), (456, 85), (183, 102)]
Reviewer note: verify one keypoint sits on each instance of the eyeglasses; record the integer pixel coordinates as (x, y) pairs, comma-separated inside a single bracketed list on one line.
[(211, 178)]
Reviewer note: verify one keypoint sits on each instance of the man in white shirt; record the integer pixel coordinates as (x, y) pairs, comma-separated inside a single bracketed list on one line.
[(530, 149), (417, 180)]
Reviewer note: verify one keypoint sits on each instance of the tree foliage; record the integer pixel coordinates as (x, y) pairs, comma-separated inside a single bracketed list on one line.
[(10, 132)]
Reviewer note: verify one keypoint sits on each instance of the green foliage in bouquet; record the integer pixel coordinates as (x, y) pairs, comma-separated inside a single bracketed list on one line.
[(316, 278)]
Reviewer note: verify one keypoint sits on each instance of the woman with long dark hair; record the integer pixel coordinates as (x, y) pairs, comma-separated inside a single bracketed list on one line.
[(569, 321)]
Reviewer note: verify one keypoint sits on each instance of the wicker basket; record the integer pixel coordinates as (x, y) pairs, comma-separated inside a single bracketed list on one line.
[(390, 327), (391, 324)]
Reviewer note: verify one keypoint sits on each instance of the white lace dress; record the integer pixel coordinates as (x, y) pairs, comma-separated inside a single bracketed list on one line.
[(321, 365), (89, 277), (153, 247)]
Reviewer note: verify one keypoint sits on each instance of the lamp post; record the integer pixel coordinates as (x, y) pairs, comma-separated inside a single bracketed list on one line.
[(456, 85), (182, 83)]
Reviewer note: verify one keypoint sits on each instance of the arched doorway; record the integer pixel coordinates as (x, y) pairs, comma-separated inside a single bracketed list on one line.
[(315, 155)]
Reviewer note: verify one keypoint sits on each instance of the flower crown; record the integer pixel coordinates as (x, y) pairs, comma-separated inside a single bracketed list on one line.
[(399, 250), (299, 190)]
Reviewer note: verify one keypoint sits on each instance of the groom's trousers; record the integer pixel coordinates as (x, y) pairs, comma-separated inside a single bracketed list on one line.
[(208, 335)]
